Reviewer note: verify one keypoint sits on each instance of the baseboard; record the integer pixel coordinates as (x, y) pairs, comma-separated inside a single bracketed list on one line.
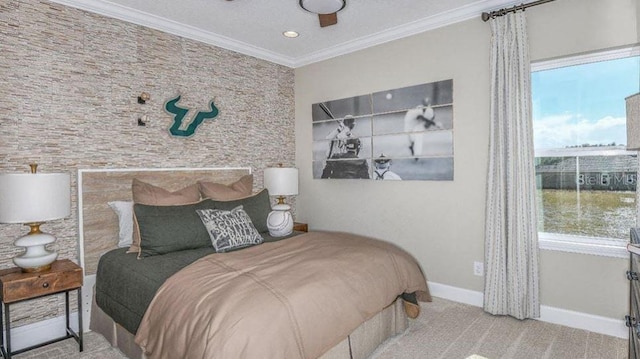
[(456, 294), (579, 320), (40, 332), (568, 318)]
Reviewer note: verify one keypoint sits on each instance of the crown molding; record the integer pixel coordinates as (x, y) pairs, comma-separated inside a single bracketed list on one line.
[(138, 17), (134, 16), (443, 19)]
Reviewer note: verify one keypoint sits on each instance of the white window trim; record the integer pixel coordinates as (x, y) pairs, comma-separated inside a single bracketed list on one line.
[(586, 58), (607, 247), (584, 152)]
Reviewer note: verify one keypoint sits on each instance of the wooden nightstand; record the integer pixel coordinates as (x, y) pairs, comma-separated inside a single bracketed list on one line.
[(300, 227), (16, 286)]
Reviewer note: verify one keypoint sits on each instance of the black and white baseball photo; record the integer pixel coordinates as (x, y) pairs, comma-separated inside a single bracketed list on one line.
[(399, 134)]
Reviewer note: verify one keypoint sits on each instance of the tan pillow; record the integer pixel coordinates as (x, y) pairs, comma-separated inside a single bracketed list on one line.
[(145, 193), (222, 192)]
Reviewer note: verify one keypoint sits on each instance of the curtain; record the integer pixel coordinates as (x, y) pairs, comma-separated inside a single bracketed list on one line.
[(511, 237)]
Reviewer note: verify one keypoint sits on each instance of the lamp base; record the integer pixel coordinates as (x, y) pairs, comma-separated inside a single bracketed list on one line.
[(36, 258), (280, 221), (45, 268)]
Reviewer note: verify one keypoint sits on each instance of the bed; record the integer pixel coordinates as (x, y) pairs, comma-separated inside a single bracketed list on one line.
[(170, 300)]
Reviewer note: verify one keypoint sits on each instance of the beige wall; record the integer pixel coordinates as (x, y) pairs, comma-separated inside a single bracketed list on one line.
[(70, 80), (637, 3), (442, 223)]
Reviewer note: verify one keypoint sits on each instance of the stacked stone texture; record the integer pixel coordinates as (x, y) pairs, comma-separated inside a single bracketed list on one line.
[(68, 100)]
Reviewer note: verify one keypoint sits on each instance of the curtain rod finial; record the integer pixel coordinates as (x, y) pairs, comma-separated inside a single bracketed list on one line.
[(485, 16)]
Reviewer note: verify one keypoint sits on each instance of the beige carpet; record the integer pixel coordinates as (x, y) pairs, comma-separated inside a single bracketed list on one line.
[(450, 330), (444, 330), (95, 346)]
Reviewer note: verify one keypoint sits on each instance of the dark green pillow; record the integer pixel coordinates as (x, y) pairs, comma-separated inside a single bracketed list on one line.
[(165, 229), (257, 207)]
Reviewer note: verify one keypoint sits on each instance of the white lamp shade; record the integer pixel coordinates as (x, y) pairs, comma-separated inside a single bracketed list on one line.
[(322, 6), (281, 181), (633, 122), (34, 197)]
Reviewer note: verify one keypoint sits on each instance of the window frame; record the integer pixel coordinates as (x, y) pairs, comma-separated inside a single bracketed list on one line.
[(608, 247)]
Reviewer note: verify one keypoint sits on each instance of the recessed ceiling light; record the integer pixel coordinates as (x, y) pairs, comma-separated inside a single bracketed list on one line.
[(290, 34)]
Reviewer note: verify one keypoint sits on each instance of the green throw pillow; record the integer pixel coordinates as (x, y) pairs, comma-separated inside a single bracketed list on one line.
[(257, 207), (165, 229)]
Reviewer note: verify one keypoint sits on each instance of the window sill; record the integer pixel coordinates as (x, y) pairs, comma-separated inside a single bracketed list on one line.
[(605, 247)]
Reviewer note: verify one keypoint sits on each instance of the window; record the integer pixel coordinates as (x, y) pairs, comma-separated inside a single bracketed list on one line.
[(586, 179)]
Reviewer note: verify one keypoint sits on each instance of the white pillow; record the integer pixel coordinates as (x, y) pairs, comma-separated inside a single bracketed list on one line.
[(124, 210)]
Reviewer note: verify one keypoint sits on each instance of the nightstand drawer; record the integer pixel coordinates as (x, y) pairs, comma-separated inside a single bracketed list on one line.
[(17, 286)]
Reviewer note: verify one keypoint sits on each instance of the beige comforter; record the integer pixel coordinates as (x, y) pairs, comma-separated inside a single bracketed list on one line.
[(295, 298)]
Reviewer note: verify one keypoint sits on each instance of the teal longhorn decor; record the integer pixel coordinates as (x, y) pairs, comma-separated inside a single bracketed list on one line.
[(179, 114)]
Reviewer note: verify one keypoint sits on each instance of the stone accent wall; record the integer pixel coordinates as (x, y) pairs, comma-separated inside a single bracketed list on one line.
[(68, 100)]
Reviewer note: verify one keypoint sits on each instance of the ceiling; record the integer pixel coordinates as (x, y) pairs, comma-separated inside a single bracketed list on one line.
[(255, 27)]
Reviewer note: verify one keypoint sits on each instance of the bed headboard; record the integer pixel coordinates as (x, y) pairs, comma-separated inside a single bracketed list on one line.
[(98, 224)]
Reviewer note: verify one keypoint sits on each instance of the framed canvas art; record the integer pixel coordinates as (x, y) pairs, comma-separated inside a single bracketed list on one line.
[(399, 134)]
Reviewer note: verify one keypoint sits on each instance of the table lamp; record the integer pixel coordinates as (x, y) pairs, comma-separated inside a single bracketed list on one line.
[(281, 181), (32, 199)]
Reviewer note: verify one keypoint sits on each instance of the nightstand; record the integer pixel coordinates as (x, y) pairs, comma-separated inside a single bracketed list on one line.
[(300, 227), (16, 286)]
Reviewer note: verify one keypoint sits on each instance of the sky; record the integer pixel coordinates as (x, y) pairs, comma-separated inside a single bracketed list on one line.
[(583, 104)]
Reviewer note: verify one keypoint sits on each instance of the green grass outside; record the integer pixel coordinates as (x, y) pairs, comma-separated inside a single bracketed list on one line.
[(588, 213)]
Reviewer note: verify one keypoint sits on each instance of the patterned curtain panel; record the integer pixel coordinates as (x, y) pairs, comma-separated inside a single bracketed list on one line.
[(511, 237)]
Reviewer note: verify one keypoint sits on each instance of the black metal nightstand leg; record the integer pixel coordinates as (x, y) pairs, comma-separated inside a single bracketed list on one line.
[(5, 346), (66, 308), (7, 320), (70, 333), (3, 352), (80, 343)]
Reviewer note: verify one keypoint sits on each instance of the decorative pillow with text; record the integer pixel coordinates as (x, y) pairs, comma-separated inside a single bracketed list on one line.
[(229, 230)]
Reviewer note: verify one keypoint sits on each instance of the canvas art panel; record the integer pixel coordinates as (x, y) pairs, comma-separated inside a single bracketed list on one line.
[(400, 134)]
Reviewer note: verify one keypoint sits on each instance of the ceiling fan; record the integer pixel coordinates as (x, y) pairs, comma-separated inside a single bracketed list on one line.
[(327, 10)]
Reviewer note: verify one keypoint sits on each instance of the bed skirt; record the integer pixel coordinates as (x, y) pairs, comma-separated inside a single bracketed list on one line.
[(363, 341)]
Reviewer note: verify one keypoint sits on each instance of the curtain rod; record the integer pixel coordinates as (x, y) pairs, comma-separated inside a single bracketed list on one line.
[(490, 15)]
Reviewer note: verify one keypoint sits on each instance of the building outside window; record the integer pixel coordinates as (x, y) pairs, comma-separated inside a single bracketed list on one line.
[(586, 179)]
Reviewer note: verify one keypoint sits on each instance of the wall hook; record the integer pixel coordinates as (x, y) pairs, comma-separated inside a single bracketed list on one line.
[(143, 98), (143, 120)]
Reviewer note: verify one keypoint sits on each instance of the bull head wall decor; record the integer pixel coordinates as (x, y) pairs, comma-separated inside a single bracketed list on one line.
[(171, 106)]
